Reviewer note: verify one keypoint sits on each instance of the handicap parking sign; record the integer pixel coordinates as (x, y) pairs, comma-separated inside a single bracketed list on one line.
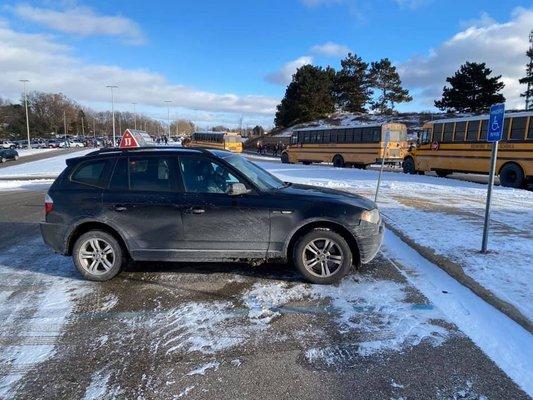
[(495, 128)]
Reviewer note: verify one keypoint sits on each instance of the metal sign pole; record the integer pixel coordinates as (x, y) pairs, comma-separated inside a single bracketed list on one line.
[(493, 158), (387, 139), (494, 135)]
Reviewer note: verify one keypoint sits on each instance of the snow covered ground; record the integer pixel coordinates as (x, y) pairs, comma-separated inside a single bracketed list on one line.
[(47, 167), (447, 216), (30, 152)]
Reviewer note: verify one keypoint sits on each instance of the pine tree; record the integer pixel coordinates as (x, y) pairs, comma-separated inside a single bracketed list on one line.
[(308, 96), (528, 79), (385, 79), (352, 86), (471, 90)]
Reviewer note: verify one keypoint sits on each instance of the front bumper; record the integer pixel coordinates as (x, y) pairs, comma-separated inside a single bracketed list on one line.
[(369, 240), (54, 236)]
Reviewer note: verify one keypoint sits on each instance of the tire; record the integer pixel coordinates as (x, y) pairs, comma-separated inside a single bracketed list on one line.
[(84, 250), (16, 158), (408, 166), (442, 173), (338, 161), (3, 160), (317, 239), (511, 175), (285, 158)]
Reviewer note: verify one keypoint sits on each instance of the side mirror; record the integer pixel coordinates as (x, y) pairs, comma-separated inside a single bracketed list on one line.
[(237, 188)]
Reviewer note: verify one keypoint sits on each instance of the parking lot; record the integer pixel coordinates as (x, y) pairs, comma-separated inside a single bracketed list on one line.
[(221, 331)]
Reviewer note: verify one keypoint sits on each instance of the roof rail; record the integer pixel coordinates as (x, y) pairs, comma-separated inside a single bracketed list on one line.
[(136, 149)]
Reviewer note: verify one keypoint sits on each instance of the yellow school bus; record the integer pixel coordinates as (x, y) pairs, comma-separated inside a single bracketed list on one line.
[(356, 146), (460, 145), (218, 140)]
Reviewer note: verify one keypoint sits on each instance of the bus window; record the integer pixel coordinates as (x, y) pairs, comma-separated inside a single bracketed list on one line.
[(327, 136), (518, 128), (357, 135), (294, 138), (471, 132), (333, 137), (307, 137), (437, 132), (460, 128), (366, 135), (313, 137), (530, 129), (506, 123), (349, 135), (376, 134), (483, 132), (425, 136), (447, 135), (341, 136)]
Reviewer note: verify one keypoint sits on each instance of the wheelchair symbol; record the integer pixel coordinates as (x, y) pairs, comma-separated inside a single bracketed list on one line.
[(495, 126)]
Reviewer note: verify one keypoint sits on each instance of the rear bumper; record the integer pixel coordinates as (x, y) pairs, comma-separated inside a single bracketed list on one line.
[(370, 243), (54, 236)]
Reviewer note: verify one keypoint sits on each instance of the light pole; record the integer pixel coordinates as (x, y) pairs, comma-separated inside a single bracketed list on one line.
[(168, 117), (134, 116), (24, 81), (113, 110)]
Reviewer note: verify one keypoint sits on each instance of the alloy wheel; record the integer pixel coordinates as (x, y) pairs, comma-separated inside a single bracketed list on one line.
[(322, 257), (96, 256)]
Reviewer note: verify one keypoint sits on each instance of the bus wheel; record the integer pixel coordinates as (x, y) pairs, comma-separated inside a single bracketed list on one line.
[(408, 166), (338, 161), (442, 173), (285, 158), (511, 175)]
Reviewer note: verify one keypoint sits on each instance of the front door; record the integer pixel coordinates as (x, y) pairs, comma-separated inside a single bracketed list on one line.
[(216, 224), (142, 201)]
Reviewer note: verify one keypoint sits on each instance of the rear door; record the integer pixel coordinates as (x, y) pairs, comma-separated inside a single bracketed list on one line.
[(216, 224), (141, 201)]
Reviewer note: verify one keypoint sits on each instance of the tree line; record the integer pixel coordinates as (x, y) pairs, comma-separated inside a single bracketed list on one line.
[(316, 92), (55, 113)]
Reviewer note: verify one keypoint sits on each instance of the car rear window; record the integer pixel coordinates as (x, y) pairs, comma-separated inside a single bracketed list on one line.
[(90, 173)]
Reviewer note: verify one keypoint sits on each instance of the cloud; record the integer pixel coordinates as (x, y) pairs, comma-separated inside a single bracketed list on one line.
[(82, 21), (501, 45), (330, 49), (412, 4), (51, 67), (284, 75)]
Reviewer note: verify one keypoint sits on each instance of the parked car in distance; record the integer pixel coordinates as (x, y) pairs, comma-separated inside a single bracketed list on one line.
[(184, 204), (53, 143), (70, 143), (8, 144), (8, 154)]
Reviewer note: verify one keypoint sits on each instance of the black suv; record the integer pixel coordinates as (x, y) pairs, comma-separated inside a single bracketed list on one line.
[(178, 204)]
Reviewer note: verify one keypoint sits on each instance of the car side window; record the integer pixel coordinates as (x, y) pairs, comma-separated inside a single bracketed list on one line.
[(90, 173), (120, 179), (202, 175), (149, 174)]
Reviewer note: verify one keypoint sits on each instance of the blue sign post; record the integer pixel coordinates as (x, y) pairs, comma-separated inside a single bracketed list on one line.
[(494, 135)]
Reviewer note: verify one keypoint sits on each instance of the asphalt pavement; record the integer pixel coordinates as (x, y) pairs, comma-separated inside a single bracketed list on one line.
[(202, 331)]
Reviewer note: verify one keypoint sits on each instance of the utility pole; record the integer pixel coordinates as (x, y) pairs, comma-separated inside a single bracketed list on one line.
[(65, 124), (24, 81), (134, 116), (82, 127), (529, 69), (113, 110), (168, 117), (94, 128)]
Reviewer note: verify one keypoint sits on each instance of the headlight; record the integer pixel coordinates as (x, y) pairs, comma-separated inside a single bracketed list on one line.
[(371, 216)]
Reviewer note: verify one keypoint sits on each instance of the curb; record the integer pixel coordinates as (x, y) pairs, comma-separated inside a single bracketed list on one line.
[(456, 272)]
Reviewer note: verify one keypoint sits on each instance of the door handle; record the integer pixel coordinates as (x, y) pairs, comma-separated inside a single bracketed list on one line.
[(195, 210), (120, 208)]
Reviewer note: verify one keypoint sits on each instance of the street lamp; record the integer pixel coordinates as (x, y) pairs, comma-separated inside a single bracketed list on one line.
[(134, 116), (113, 109), (24, 81), (168, 117)]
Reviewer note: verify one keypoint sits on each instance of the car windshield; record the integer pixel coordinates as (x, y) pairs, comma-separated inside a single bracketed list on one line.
[(263, 179)]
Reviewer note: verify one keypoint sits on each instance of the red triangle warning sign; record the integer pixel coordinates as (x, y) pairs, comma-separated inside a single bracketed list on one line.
[(128, 140)]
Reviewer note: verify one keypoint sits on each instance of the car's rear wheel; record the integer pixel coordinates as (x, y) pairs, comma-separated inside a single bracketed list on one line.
[(323, 256), (97, 256)]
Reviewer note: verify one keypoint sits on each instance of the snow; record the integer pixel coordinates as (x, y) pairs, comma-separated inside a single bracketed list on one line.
[(202, 369), (508, 344), (41, 291), (48, 167), (30, 152), (446, 215), (98, 386), (33, 184)]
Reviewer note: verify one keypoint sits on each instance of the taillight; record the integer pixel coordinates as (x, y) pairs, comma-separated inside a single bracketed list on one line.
[(48, 204)]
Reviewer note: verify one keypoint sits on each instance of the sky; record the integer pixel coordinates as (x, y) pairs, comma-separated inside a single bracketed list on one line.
[(220, 61)]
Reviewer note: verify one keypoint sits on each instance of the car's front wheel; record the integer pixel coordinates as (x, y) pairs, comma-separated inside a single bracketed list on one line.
[(97, 256), (323, 256), (3, 160)]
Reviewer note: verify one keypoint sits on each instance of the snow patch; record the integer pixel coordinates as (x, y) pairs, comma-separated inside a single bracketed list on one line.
[(201, 370), (98, 386)]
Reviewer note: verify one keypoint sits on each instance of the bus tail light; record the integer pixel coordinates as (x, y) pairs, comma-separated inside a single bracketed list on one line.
[(48, 204)]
